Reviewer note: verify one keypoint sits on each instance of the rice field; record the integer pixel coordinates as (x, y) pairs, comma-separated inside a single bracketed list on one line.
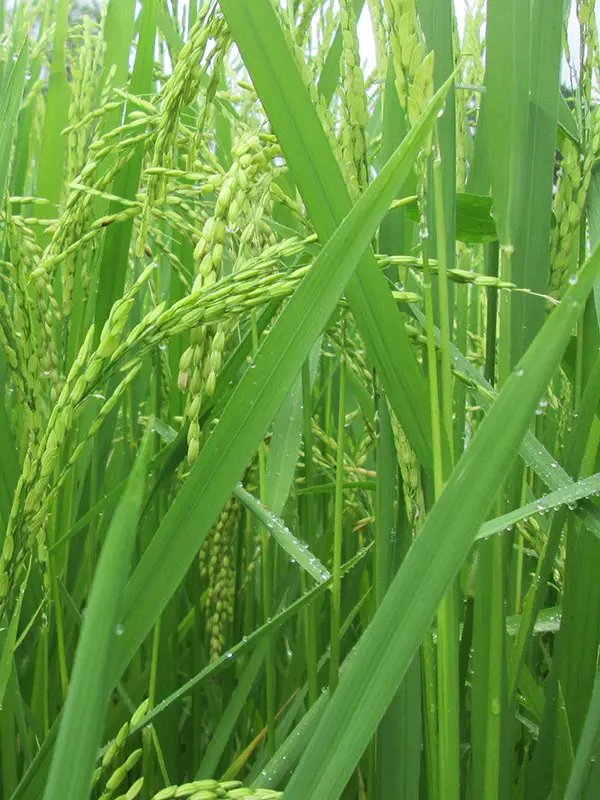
[(299, 400)]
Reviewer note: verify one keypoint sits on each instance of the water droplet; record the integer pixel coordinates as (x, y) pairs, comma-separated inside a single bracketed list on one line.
[(519, 372), (119, 630), (572, 279)]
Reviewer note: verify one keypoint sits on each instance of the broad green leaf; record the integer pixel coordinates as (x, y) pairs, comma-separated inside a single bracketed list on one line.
[(507, 83), (118, 34), (115, 255), (531, 265)]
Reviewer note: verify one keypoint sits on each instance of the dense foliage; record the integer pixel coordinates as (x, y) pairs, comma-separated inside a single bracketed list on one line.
[(299, 392)]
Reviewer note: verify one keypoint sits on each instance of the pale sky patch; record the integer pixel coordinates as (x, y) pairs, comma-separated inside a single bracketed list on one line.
[(367, 42)]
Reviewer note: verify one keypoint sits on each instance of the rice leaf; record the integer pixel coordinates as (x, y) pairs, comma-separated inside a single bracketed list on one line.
[(85, 708), (385, 650)]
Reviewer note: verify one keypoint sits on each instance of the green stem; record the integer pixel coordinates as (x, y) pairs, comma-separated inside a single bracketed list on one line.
[(336, 586), (308, 508), (267, 585), (489, 658), (446, 361)]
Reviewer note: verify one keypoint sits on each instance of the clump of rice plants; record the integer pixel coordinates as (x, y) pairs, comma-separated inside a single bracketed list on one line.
[(299, 391)]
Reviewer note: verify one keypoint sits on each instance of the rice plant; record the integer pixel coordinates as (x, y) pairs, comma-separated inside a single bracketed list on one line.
[(300, 382)]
